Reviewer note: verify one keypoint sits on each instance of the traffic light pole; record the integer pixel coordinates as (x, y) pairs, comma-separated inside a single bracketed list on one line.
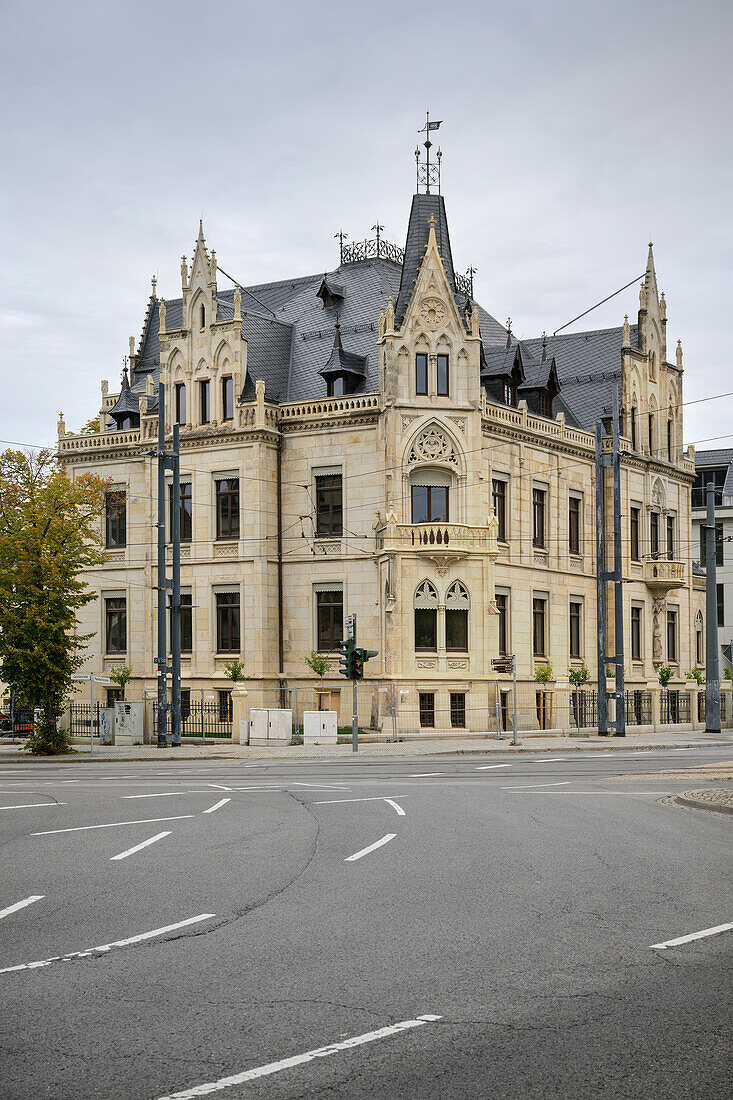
[(162, 659), (354, 721)]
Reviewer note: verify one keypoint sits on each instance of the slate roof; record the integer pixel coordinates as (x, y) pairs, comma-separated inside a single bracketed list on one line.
[(588, 365), (714, 458), (290, 336)]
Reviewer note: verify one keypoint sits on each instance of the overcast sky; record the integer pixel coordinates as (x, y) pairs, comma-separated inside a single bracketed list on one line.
[(572, 133)]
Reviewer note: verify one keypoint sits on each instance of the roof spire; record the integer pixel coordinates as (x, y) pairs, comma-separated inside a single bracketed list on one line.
[(544, 346), (509, 332), (125, 381), (428, 174), (154, 283)]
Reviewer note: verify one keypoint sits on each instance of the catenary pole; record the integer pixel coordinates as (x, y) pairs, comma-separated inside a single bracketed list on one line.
[(712, 674), (601, 584), (618, 576), (176, 600), (162, 587)]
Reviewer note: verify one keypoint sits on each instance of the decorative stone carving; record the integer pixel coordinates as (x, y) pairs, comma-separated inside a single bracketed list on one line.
[(660, 605), (432, 312), (328, 548), (407, 421), (460, 423), (432, 446), (458, 664), (425, 664)]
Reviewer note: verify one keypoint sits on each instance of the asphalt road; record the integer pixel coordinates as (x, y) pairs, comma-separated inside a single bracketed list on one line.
[(442, 927)]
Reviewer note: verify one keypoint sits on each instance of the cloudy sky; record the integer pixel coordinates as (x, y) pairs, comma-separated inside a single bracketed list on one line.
[(572, 133)]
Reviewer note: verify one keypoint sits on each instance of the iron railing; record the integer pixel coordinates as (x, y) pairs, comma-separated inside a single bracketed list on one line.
[(201, 719), (79, 719), (674, 706), (375, 249)]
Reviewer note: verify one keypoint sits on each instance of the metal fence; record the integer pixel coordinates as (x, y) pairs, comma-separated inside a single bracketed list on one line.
[(200, 719), (674, 706), (80, 719)]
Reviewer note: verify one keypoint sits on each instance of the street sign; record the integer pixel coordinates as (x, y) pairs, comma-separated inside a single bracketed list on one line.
[(502, 664), (351, 626), (82, 676), (101, 679)]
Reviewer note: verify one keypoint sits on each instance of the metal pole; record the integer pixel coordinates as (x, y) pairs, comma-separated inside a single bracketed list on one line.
[(514, 682), (712, 671), (91, 713), (354, 722), (618, 574), (601, 585), (176, 601), (162, 648), (394, 712), (203, 727), (12, 714)]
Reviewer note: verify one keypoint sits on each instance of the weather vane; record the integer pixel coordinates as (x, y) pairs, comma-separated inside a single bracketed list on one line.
[(428, 174)]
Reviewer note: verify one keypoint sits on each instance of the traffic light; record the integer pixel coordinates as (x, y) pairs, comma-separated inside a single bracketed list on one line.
[(361, 656), (346, 660)]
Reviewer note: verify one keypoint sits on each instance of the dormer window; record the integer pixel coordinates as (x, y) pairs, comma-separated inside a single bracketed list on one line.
[(508, 393), (337, 386), (544, 404), (330, 293)]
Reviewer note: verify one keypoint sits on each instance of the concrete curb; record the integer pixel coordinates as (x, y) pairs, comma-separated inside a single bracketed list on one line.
[(688, 798)]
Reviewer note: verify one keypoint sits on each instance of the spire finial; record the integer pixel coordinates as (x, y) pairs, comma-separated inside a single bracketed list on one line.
[(627, 331), (663, 307), (544, 346), (679, 354), (237, 303), (154, 283), (184, 273), (341, 237), (428, 175), (377, 228), (131, 343), (509, 332), (161, 314)]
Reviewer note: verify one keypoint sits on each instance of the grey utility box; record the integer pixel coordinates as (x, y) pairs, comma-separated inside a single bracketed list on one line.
[(320, 727), (270, 727), (128, 723)]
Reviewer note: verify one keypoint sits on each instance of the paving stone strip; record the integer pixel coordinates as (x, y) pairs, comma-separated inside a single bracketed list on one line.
[(720, 800)]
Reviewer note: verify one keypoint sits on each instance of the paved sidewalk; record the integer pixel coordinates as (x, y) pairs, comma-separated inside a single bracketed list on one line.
[(718, 800), (374, 750)]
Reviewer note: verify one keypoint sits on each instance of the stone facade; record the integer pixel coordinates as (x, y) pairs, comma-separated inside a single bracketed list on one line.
[(473, 579)]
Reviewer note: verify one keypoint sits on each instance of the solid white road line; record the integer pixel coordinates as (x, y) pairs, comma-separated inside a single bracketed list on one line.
[(158, 794), (20, 905), (525, 786), (219, 786), (372, 847), (108, 946), (32, 805), (396, 806), (114, 824), (321, 786), (549, 760), (301, 1059), (686, 939), (139, 847), (488, 767), (217, 805), (422, 775)]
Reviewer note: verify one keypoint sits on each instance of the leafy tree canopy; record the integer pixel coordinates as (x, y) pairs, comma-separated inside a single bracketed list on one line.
[(49, 532)]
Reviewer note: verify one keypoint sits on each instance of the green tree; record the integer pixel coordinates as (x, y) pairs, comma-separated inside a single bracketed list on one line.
[(318, 664), (121, 676), (665, 675), (91, 426), (49, 532), (235, 671)]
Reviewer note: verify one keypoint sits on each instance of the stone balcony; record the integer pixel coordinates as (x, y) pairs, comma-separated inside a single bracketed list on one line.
[(662, 575), (441, 543)]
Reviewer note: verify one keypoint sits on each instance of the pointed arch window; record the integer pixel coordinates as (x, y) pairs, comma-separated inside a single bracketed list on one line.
[(202, 315), (670, 440), (456, 618), (651, 434), (426, 618)]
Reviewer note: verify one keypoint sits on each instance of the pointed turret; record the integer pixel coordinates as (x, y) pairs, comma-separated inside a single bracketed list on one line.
[(420, 234), (650, 277)]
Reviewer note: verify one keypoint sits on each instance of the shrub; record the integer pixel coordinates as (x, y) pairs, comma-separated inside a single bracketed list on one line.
[(318, 664), (46, 739), (121, 676), (543, 674), (579, 676), (235, 671), (665, 675), (696, 674)]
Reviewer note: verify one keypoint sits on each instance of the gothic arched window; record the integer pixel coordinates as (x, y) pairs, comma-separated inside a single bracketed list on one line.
[(456, 618), (426, 618)]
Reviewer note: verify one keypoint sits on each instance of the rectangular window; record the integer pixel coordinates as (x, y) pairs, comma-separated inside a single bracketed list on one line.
[(227, 398), (456, 629), (716, 475), (634, 524), (421, 374), (227, 508), (576, 618), (427, 709), (721, 604), (670, 440), (115, 616), (498, 493), (186, 624), (186, 516), (633, 428), (458, 710), (671, 635), (205, 401), (651, 433), (539, 617), (538, 518), (544, 406), (654, 535), (442, 378), (114, 695), (329, 506), (635, 633), (227, 622), (670, 538), (429, 503), (115, 524), (330, 618), (502, 603), (181, 402), (574, 525), (426, 629)]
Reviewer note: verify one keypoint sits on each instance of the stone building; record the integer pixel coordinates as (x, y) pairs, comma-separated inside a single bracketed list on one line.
[(372, 440), (715, 467)]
